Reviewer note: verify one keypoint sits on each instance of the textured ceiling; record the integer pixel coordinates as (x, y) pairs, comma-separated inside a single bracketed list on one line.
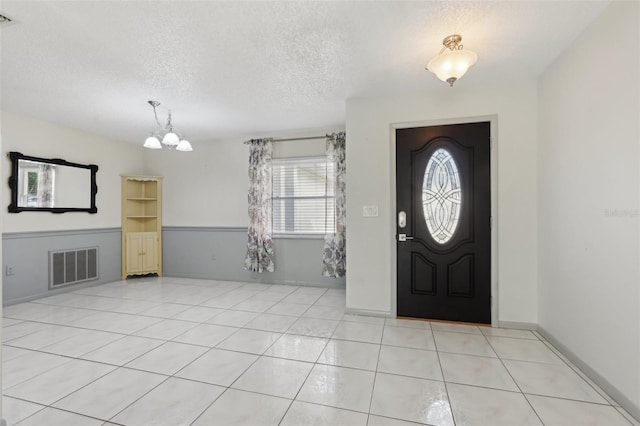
[(237, 68)]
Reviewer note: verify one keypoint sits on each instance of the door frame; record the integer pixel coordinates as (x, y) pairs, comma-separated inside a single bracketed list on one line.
[(493, 120)]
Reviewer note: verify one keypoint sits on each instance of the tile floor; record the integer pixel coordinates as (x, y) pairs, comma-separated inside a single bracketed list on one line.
[(169, 351)]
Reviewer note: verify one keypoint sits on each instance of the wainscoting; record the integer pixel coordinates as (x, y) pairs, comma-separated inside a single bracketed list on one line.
[(27, 254), (190, 252), (218, 253)]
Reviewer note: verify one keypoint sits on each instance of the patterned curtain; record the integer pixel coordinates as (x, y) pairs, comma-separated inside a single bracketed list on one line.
[(260, 244), (334, 255)]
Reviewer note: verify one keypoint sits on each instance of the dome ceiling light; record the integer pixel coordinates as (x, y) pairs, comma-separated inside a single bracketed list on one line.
[(452, 62)]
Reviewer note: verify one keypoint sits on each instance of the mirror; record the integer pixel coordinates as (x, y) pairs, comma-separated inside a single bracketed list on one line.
[(53, 185)]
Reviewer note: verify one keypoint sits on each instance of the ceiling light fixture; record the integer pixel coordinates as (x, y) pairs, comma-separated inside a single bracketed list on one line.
[(454, 62), (168, 134)]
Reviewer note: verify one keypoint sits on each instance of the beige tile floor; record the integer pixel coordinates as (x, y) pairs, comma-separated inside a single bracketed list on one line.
[(170, 351)]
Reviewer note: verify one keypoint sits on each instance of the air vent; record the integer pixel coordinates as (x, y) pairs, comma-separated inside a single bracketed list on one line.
[(72, 266)]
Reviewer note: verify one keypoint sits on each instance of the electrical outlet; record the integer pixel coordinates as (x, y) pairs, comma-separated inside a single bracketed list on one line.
[(9, 271), (213, 256)]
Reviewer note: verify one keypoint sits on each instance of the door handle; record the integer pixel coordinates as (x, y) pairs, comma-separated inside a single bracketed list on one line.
[(404, 237)]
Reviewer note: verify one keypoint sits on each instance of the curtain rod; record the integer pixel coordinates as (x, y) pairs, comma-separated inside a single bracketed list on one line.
[(293, 139)]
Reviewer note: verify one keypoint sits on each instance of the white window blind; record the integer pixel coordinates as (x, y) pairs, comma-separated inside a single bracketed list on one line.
[(303, 196)]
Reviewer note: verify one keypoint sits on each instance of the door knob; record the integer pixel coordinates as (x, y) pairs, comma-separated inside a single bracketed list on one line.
[(404, 237)]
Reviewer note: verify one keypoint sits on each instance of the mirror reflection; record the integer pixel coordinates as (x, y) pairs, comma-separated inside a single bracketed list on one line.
[(54, 185), (50, 185)]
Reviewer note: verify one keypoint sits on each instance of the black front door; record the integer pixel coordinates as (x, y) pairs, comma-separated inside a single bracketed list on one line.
[(443, 179)]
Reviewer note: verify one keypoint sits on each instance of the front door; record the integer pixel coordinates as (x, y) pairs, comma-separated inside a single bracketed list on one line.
[(443, 179)]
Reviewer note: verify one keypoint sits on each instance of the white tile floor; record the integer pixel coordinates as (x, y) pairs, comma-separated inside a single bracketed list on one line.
[(169, 351)]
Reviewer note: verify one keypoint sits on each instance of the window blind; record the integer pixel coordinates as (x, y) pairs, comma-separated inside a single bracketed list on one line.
[(303, 196)]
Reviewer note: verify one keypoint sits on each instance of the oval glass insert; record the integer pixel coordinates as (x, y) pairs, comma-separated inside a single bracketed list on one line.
[(441, 196)]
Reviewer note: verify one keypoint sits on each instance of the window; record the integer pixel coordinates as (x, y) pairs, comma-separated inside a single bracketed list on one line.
[(441, 196), (37, 186), (303, 196)]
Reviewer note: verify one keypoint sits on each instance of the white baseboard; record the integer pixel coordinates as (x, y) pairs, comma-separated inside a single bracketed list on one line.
[(355, 311), (631, 407), (518, 325)]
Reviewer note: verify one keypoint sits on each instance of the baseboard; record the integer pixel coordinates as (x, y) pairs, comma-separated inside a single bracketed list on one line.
[(518, 325), (257, 281), (367, 312), (66, 289), (631, 407)]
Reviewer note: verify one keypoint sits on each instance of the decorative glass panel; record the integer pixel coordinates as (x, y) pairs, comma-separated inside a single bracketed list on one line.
[(441, 196)]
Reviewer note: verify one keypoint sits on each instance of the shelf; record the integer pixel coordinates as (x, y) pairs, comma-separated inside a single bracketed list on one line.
[(141, 225)]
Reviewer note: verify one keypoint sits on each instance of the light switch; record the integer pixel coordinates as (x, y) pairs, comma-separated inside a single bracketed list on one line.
[(370, 211)]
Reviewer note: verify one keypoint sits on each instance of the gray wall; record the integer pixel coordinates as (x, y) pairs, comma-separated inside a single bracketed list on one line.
[(218, 253), (28, 254), (208, 253)]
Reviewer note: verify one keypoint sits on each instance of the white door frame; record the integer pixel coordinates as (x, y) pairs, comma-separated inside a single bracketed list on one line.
[(493, 119)]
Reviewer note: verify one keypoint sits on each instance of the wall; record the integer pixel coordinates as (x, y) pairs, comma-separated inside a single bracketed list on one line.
[(589, 195), (2, 190), (28, 236), (218, 253), (41, 139), (370, 240), (28, 254), (205, 214)]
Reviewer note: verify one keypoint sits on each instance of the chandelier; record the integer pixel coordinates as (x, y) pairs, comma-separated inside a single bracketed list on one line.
[(167, 134), (454, 62)]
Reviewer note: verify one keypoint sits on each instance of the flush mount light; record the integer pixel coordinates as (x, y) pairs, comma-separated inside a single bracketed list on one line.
[(166, 135), (452, 62)]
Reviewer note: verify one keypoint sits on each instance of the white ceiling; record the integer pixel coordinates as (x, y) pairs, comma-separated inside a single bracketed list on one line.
[(231, 68)]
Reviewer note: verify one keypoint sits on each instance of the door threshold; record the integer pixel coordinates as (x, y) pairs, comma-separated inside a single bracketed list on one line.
[(445, 321)]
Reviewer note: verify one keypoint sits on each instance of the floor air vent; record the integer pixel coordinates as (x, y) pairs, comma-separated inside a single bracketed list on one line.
[(73, 266)]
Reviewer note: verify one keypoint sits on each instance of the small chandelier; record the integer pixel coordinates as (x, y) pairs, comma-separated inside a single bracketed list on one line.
[(453, 63), (168, 134)]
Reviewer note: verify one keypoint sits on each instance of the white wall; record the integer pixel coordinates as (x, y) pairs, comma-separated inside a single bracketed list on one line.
[(41, 139), (369, 157), (208, 187), (2, 190), (205, 187), (589, 291)]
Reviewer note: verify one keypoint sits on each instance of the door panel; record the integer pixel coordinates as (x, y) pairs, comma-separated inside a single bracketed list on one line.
[(150, 257), (134, 248), (443, 185)]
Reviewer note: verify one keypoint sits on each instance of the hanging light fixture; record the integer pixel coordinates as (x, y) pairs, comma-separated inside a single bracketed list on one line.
[(166, 135), (454, 62)]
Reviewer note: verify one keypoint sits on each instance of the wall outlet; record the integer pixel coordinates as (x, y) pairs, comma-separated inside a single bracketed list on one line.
[(213, 256), (9, 271)]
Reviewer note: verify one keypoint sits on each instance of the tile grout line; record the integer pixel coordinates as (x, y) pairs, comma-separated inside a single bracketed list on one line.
[(444, 379), (514, 380), (375, 373), (314, 364)]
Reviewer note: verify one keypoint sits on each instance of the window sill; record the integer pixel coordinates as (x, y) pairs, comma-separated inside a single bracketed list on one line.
[(299, 236)]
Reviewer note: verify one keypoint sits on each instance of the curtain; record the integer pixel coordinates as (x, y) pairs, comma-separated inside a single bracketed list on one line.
[(335, 243), (259, 243), (46, 176)]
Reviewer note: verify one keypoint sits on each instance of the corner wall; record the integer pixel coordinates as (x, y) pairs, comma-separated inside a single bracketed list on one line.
[(589, 193), (27, 237), (370, 240)]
